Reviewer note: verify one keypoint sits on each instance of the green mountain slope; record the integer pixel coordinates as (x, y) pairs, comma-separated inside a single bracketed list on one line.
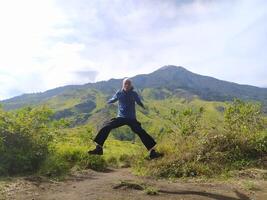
[(79, 102)]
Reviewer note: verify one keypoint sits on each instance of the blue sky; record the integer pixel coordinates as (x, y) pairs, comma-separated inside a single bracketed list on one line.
[(51, 43)]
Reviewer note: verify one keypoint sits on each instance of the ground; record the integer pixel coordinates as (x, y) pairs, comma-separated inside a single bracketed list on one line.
[(122, 184)]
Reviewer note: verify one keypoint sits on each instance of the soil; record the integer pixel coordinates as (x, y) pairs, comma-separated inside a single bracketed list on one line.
[(122, 184)]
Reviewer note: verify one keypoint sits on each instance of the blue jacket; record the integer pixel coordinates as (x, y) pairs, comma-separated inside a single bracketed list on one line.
[(126, 107)]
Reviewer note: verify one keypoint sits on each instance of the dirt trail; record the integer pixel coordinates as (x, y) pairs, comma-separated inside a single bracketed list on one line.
[(108, 185)]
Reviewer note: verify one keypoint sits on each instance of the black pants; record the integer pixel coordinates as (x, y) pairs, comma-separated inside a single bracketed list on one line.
[(135, 125)]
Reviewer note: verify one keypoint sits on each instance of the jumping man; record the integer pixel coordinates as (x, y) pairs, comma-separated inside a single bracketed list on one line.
[(126, 116)]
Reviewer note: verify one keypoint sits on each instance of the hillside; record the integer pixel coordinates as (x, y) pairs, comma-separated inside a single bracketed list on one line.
[(79, 102)]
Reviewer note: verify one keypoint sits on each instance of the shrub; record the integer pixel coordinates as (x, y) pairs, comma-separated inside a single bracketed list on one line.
[(96, 163), (199, 152), (24, 138), (126, 160), (186, 120), (243, 118), (63, 157), (55, 166), (112, 161), (243, 141)]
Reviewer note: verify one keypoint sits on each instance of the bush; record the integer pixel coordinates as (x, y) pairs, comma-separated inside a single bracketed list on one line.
[(24, 138), (243, 118), (55, 166), (241, 144), (126, 160), (112, 161), (244, 137), (186, 120), (63, 157), (96, 163)]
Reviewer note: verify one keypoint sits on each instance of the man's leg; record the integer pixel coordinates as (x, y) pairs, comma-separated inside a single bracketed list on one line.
[(107, 127), (146, 139), (103, 134)]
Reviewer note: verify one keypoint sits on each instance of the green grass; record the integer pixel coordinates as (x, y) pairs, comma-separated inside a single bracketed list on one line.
[(185, 156), (121, 151), (147, 189), (151, 190), (70, 148), (250, 185)]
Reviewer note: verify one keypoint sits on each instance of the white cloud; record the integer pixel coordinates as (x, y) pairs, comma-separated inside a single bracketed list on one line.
[(63, 61), (32, 56)]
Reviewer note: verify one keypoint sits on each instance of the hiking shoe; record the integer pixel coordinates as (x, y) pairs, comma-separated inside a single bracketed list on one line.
[(97, 151), (153, 154)]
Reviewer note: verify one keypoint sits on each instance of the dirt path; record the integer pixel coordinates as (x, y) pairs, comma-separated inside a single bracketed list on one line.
[(121, 184)]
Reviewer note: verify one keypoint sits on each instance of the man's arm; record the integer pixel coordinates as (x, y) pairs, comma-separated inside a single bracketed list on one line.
[(138, 100), (114, 98)]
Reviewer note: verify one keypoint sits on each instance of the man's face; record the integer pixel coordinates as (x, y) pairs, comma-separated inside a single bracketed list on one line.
[(127, 85)]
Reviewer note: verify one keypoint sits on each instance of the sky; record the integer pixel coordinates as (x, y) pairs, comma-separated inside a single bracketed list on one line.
[(50, 43)]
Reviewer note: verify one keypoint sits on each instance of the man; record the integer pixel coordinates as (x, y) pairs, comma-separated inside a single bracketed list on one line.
[(126, 116)]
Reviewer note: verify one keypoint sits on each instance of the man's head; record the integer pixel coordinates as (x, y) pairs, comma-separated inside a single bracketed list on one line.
[(127, 84)]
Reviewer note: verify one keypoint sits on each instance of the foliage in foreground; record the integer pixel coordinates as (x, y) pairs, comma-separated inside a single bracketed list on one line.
[(32, 142), (197, 140), (239, 142), (24, 138)]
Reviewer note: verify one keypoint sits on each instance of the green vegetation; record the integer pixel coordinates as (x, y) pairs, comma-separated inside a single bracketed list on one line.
[(25, 136), (250, 185), (198, 138), (69, 152), (149, 190), (197, 147)]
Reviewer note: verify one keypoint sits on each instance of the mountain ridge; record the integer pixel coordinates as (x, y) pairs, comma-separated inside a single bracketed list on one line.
[(168, 77)]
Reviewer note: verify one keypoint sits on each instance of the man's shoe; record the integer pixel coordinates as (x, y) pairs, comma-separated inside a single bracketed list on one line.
[(153, 154), (97, 151)]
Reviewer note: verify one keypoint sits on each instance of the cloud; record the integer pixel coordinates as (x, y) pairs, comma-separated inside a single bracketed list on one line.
[(86, 76), (33, 57), (55, 43), (208, 37)]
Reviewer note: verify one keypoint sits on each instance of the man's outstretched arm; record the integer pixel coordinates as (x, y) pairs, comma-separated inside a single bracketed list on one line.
[(113, 99), (138, 100)]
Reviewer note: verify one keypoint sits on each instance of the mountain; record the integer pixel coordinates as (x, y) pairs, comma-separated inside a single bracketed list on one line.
[(207, 88), (168, 81)]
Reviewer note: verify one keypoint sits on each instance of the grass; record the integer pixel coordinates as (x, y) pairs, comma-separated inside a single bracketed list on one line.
[(151, 190), (126, 184), (182, 154), (129, 185), (250, 185), (69, 151)]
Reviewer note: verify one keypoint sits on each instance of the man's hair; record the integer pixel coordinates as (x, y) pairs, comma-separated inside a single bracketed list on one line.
[(127, 79)]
